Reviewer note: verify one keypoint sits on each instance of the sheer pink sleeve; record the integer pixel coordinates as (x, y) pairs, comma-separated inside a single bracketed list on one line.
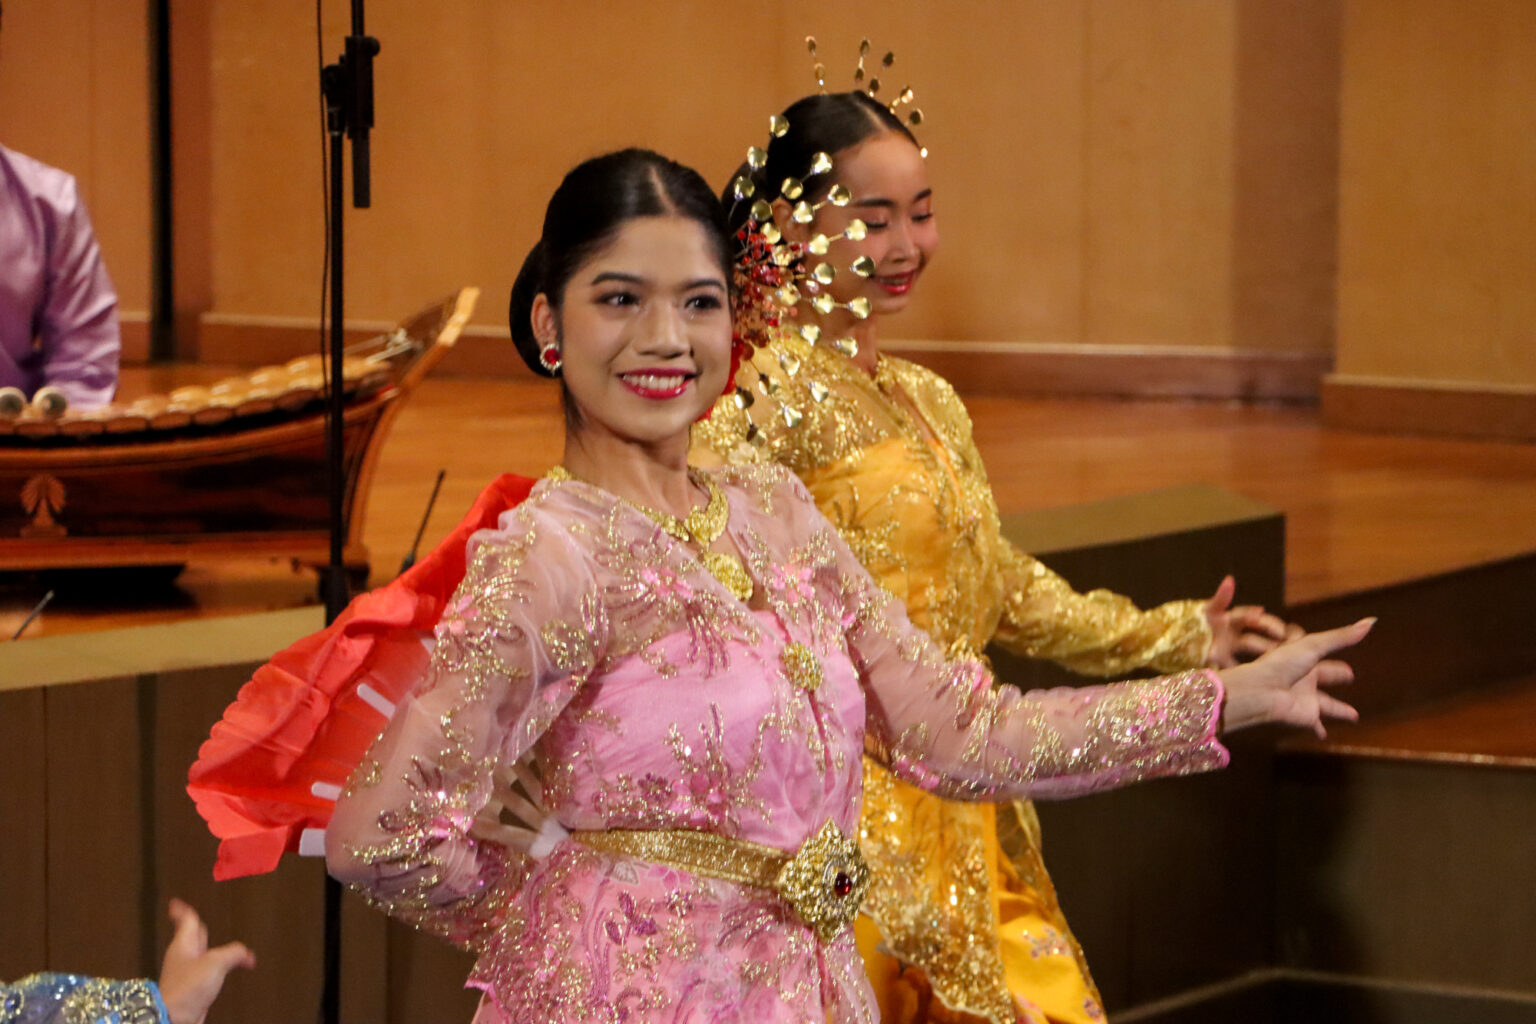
[(948, 727), (518, 641)]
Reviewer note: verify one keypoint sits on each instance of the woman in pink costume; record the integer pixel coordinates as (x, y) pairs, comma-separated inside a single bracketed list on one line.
[(696, 664)]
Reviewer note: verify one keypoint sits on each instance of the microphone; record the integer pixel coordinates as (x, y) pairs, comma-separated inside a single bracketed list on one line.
[(410, 558)]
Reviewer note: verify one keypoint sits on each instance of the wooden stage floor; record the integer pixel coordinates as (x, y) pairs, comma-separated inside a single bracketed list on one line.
[(1362, 510)]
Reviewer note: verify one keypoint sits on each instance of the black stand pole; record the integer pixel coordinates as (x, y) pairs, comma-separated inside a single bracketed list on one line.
[(348, 89)]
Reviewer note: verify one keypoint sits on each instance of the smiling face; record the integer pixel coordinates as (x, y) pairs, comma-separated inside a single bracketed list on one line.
[(889, 182), (644, 331)]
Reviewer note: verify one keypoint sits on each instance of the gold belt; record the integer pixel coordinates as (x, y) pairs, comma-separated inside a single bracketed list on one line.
[(823, 882)]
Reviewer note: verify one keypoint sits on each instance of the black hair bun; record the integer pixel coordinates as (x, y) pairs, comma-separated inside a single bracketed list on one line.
[(529, 283)]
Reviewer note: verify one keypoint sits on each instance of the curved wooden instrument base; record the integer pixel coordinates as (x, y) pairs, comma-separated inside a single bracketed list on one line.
[(251, 485)]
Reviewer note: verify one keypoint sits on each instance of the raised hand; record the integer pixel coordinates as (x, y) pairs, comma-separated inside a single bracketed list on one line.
[(1283, 685), (1245, 631), (192, 974)]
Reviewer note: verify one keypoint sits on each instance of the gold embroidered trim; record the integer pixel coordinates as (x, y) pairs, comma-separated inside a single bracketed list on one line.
[(702, 526)]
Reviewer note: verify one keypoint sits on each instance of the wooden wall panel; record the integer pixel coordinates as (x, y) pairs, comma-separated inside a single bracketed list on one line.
[(481, 108), (24, 850), (75, 93), (1116, 173), (1437, 204), (97, 813), (1086, 154), (1159, 174), (1285, 176), (191, 170)]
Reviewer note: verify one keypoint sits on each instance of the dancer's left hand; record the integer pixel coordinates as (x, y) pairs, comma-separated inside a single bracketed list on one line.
[(1244, 632), (192, 975)]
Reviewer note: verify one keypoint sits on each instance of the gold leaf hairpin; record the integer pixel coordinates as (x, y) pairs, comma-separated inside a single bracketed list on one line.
[(772, 275), (868, 83)]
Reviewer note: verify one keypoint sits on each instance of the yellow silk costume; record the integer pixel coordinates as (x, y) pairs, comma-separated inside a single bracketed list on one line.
[(890, 460)]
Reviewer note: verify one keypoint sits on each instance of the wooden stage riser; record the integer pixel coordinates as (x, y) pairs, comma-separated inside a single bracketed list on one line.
[(1137, 866), (1402, 871), (1162, 882), (1439, 637), (95, 776)]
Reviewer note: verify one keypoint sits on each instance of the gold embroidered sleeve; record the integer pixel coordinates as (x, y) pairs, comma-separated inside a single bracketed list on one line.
[(945, 726), (521, 636), (1099, 633), (79, 999)]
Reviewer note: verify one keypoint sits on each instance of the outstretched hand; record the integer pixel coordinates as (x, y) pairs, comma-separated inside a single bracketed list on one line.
[(1245, 631), (192, 974), (1283, 685)]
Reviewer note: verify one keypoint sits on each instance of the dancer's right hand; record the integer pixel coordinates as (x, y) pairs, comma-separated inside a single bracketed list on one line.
[(1283, 685)]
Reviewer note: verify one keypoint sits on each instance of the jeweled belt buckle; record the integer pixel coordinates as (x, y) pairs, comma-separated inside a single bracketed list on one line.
[(825, 881)]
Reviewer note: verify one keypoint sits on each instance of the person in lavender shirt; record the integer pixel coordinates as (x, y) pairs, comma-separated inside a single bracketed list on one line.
[(58, 310)]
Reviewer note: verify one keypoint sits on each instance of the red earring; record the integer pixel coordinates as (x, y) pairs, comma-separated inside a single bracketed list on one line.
[(549, 358)]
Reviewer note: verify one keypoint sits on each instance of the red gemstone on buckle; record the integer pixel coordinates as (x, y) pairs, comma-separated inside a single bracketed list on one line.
[(842, 885)]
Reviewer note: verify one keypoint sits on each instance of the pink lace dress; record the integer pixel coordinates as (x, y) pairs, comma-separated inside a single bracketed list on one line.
[(649, 698)]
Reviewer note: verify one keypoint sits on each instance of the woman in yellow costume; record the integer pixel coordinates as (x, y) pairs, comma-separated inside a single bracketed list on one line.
[(957, 929)]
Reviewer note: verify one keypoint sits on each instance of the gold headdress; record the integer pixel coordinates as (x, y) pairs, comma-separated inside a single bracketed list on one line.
[(869, 83), (774, 275)]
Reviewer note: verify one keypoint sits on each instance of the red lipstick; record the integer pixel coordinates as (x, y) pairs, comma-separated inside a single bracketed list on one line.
[(658, 385)]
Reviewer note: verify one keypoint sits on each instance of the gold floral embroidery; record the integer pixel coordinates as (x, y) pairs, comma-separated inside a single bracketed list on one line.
[(933, 896), (659, 587), (761, 481), (801, 666), (573, 646), (714, 792), (803, 587)]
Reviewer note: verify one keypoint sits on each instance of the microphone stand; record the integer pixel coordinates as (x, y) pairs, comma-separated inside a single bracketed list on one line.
[(347, 87)]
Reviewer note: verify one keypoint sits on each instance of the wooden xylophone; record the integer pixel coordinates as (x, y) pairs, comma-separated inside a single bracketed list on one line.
[(232, 468)]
